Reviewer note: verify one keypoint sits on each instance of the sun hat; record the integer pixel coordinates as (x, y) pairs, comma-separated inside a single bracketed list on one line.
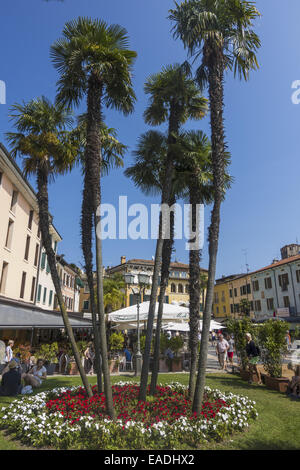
[(12, 365)]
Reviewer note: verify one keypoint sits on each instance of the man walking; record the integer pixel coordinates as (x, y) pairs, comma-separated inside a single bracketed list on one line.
[(221, 350)]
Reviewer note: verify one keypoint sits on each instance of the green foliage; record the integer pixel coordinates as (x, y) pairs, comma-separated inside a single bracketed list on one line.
[(48, 352), (239, 328), (176, 344), (272, 339), (245, 307), (82, 345), (116, 341), (143, 343), (164, 343)]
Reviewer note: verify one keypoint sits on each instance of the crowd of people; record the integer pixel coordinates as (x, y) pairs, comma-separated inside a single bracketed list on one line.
[(14, 381)]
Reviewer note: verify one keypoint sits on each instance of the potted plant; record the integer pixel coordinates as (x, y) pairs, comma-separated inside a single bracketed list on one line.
[(176, 345), (239, 328), (116, 343), (49, 352), (272, 339)]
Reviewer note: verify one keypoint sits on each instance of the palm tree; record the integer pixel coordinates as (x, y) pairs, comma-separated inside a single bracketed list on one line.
[(220, 33), (93, 60), (174, 98), (112, 153), (148, 174), (48, 150), (114, 292)]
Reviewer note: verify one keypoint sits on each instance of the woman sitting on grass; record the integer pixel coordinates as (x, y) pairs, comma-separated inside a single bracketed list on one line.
[(36, 375)]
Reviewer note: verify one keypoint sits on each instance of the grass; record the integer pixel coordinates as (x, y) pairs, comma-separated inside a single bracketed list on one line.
[(277, 426)]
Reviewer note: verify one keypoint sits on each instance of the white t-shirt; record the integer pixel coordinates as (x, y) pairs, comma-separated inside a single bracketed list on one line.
[(38, 373), (222, 346), (8, 354)]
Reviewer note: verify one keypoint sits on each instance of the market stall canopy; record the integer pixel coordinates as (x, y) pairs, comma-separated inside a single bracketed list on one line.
[(15, 315), (129, 314), (186, 327)]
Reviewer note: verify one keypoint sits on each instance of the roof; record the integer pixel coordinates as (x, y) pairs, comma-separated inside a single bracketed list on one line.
[(20, 315), (278, 263), (230, 278), (175, 264)]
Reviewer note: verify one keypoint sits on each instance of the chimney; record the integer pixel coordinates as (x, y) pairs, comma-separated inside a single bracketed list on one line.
[(123, 259)]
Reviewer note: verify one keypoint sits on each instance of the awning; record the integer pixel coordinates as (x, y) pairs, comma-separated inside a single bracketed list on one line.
[(129, 314), (13, 315)]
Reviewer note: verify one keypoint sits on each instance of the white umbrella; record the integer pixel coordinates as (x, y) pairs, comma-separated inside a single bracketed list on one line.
[(176, 327), (129, 314)]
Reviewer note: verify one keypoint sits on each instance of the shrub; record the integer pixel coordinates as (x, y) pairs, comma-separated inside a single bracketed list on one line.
[(48, 352), (116, 341), (272, 339), (176, 344)]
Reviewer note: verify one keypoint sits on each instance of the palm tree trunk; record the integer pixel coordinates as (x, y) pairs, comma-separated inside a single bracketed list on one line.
[(86, 243), (166, 194), (194, 291), (43, 202), (94, 160), (166, 261), (216, 93)]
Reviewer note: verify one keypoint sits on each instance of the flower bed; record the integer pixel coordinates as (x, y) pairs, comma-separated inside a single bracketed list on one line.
[(67, 418)]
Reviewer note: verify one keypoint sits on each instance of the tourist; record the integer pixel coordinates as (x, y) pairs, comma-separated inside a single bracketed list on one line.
[(128, 358), (9, 351), (221, 349), (253, 355), (230, 351), (293, 389), (89, 357), (36, 375), (11, 381)]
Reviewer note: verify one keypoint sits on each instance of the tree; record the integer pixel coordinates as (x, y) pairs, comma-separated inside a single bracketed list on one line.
[(219, 32), (114, 292), (93, 60), (245, 307), (48, 150)]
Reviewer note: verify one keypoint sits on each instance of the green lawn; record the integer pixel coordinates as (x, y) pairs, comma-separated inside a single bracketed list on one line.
[(277, 426)]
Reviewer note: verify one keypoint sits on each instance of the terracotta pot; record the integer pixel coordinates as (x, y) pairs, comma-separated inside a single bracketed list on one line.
[(73, 369), (245, 374), (163, 366), (279, 384), (176, 365)]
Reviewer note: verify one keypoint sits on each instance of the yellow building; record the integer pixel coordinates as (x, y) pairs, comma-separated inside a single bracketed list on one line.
[(229, 293), (176, 292)]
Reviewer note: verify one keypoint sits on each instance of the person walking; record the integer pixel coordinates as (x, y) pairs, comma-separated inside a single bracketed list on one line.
[(230, 351), (253, 356), (221, 350), (8, 351)]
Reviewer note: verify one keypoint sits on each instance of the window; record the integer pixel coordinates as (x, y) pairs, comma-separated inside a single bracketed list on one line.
[(173, 288), (235, 292), (43, 260), (27, 248), (39, 232), (50, 298), (10, 227), (216, 298), (257, 305), (1, 177), (286, 301), (231, 308), (30, 219), (187, 289), (223, 296), (217, 309), (255, 285), (180, 288), (270, 304), (268, 283), (283, 281), (298, 275), (14, 200), (230, 292), (36, 256), (45, 295), (3, 277), (39, 293), (248, 289), (224, 309), (23, 285), (32, 289), (86, 305)]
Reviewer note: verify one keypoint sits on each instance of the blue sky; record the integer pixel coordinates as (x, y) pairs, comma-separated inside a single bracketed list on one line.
[(261, 211)]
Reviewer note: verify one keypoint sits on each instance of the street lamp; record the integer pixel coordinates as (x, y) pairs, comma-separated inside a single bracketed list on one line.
[(143, 282)]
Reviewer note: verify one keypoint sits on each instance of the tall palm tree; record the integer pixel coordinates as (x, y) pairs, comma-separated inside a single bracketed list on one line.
[(48, 150), (220, 34), (174, 98), (148, 174), (114, 292), (112, 154), (93, 60)]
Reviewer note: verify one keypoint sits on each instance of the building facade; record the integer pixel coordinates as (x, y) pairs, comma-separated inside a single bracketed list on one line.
[(229, 295), (20, 241), (276, 289)]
